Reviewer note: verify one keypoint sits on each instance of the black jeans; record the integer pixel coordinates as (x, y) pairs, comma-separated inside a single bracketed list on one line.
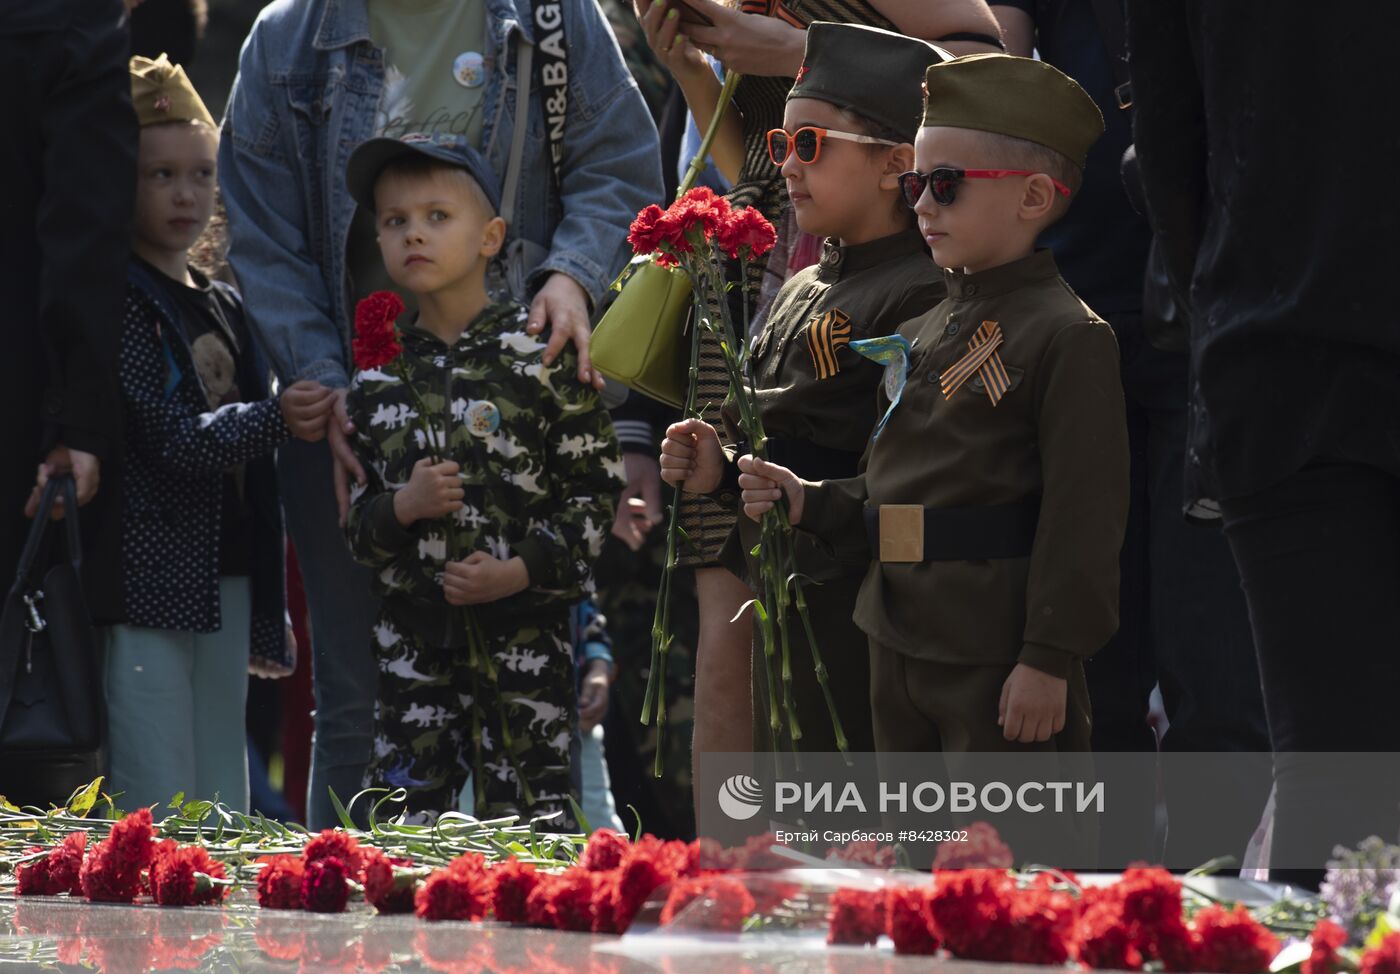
[(1319, 556), (1183, 623)]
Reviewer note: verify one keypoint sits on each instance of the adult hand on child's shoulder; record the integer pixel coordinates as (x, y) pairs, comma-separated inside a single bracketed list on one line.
[(593, 694), (562, 306), (480, 578), (1032, 707), (306, 409), (692, 457), (763, 484), (434, 490)]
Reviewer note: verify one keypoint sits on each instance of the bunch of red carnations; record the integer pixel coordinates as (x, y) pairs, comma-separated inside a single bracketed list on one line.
[(127, 864)]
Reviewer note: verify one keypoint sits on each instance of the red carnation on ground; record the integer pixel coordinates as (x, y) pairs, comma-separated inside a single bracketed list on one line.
[(571, 899), (1384, 958), (325, 886), (1105, 941), (511, 883), (906, 920), (725, 903), (1042, 924), (279, 883), (539, 905), (387, 889), (333, 842), (458, 891), (66, 863), (111, 873), (746, 233), (857, 916), (970, 912), (604, 851), (982, 850), (33, 878), (1233, 942), (182, 876), (647, 866), (376, 341), (1327, 938)]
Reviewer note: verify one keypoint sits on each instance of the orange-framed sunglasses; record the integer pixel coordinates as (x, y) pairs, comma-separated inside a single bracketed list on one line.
[(807, 143)]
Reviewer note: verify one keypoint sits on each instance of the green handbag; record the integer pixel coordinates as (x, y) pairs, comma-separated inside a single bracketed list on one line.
[(640, 342)]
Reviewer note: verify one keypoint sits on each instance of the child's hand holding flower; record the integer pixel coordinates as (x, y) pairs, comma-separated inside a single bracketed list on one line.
[(434, 490), (480, 579)]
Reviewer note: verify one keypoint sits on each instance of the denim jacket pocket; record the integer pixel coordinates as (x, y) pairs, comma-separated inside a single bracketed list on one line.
[(310, 100)]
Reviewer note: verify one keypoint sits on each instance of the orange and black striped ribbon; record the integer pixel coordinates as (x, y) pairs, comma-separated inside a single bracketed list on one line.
[(825, 334), (982, 358)]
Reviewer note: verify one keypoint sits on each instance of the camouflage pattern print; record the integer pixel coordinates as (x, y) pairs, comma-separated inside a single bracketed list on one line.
[(434, 707)]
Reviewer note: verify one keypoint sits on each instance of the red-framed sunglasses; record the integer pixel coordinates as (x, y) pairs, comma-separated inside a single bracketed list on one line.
[(943, 183), (807, 143)]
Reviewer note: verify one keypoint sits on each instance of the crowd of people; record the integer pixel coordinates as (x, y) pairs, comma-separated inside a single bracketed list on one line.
[(1078, 390)]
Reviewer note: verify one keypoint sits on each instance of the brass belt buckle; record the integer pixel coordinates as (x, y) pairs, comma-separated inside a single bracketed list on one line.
[(901, 533)]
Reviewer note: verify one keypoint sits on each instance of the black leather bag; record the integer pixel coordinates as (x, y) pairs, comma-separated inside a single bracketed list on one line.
[(52, 716)]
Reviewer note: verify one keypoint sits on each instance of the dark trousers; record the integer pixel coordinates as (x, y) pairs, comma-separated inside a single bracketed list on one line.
[(1183, 623), (1319, 556)]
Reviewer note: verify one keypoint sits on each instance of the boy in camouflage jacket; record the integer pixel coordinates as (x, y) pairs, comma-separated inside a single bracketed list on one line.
[(503, 512)]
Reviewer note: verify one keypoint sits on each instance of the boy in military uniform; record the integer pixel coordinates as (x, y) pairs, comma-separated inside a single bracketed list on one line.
[(503, 511), (848, 132), (995, 497)]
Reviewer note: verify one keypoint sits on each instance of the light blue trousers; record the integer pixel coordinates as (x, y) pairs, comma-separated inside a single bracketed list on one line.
[(175, 708)]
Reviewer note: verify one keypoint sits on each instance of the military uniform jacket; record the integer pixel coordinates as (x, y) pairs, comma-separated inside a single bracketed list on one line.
[(1059, 433), (816, 396), (540, 467)]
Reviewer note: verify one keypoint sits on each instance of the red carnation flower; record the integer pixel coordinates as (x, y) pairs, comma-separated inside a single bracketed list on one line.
[(1233, 942), (33, 879), (1177, 946), (906, 920), (970, 912), (1327, 938), (511, 883), (699, 214), (376, 341), (1105, 941), (1042, 922), (333, 842), (111, 872), (857, 916), (605, 903), (539, 905), (642, 872), (182, 876), (643, 235), (459, 891), (324, 885), (982, 850), (571, 899), (1384, 958), (279, 883), (387, 889), (746, 233), (66, 864), (604, 851), (724, 904)]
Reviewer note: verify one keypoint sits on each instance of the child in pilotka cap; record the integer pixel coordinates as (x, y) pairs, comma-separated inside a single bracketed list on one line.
[(994, 498), (848, 132)]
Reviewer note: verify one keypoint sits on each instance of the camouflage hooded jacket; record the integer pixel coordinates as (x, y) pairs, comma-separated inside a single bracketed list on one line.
[(540, 464)]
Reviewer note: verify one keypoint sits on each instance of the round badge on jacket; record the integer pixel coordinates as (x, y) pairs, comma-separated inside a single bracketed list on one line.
[(469, 69), (483, 418)]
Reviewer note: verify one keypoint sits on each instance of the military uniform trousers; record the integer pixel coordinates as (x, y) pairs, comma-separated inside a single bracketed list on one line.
[(431, 703)]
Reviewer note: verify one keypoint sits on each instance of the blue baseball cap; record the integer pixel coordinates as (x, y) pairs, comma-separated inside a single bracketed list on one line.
[(371, 156)]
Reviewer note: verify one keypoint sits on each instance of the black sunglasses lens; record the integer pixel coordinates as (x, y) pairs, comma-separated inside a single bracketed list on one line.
[(911, 185), (805, 144), (944, 184)]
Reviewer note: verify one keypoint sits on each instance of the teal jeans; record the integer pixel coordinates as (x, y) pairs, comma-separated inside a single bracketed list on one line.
[(175, 708)]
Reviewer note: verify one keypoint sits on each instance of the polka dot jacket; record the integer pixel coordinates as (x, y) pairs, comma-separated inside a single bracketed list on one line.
[(177, 452)]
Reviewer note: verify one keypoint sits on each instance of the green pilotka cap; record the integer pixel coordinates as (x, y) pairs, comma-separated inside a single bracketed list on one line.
[(1014, 96), (872, 72)]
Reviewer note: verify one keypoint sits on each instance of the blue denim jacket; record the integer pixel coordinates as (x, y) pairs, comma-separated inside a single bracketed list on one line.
[(309, 82)]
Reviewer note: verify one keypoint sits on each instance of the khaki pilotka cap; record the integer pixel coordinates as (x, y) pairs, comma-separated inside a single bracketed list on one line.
[(872, 72), (1014, 96), (161, 92)]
